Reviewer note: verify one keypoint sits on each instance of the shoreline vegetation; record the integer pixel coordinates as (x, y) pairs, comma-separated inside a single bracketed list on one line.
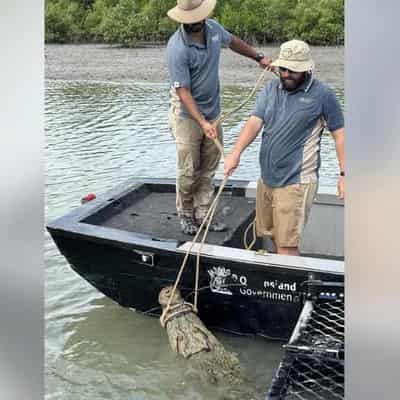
[(134, 23)]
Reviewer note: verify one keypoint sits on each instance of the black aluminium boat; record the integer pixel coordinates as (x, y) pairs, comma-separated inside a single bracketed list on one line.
[(127, 244)]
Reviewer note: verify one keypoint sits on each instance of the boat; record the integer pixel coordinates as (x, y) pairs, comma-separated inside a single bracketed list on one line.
[(127, 243)]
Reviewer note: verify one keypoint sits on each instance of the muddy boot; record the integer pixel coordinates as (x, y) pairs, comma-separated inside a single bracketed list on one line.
[(188, 225)]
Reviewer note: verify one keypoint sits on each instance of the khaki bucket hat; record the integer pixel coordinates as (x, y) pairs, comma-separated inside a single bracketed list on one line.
[(191, 11), (295, 55)]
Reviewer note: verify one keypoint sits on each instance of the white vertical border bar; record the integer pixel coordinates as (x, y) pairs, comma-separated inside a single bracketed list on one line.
[(372, 107), (21, 199)]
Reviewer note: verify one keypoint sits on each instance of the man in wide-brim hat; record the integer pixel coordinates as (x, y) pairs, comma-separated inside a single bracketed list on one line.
[(193, 61), (293, 111)]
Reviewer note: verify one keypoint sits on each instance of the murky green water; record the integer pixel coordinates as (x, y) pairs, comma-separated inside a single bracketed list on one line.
[(98, 135)]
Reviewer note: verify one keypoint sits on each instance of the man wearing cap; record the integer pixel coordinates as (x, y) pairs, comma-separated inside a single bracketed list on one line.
[(193, 63), (293, 111)]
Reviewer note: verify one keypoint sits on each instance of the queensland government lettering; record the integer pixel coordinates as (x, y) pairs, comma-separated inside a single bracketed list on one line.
[(270, 295), (223, 281)]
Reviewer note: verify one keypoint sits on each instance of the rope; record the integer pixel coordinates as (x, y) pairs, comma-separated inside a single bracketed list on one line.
[(176, 311), (208, 218), (250, 246), (223, 117), (213, 208)]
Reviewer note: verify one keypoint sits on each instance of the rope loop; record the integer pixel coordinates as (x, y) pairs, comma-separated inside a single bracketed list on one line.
[(175, 311)]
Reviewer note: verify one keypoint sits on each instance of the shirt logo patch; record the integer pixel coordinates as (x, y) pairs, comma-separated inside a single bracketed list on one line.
[(215, 38), (306, 100)]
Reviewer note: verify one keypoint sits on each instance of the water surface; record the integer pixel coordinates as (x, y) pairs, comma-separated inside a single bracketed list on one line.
[(100, 134)]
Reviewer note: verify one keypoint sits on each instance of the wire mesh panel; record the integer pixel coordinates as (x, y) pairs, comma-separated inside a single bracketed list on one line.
[(311, 378), (313, 363)]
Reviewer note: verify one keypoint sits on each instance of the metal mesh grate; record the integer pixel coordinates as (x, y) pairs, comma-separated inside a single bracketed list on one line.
[(313, 364), (323, 332), (310, 378)]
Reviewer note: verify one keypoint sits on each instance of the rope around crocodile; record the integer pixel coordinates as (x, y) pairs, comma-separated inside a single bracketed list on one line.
[(164, 318)]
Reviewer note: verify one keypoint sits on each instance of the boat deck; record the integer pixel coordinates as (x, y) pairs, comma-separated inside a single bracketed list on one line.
[(154, 213)]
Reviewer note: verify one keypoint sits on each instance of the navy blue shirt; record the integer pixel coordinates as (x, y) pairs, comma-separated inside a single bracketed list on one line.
[(293, 124), (195, 66)]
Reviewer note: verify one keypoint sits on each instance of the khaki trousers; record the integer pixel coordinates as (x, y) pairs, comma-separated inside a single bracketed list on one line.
[(197, 161)]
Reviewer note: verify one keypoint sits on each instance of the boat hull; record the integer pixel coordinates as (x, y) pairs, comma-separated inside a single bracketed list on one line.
[(111, 244), (242, 298)]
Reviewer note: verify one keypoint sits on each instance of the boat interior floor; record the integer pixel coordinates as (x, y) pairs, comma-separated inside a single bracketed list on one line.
[(154, 213)]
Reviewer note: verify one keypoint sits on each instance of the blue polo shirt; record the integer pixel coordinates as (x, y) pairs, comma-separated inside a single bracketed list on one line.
[(195, 66), (293, 125)]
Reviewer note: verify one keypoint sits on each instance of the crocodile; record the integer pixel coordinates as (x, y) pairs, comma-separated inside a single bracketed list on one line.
[(189, 337)]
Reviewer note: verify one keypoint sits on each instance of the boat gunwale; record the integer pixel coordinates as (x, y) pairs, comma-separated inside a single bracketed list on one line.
[(269, 259)]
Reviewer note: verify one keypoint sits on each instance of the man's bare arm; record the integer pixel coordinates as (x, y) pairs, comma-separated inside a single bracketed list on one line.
[(247, 135), (242, 48), (338, 136), (186, 97)]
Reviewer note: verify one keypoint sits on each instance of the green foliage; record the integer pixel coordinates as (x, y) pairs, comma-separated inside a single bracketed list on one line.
[(122, 23), (158, 24), (63, 21), (128, 21), (277, 16), (95, 15), (259, 20), (318, 21)]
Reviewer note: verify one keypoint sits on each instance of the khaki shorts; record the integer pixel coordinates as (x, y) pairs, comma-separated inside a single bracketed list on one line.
[(282, 212)]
